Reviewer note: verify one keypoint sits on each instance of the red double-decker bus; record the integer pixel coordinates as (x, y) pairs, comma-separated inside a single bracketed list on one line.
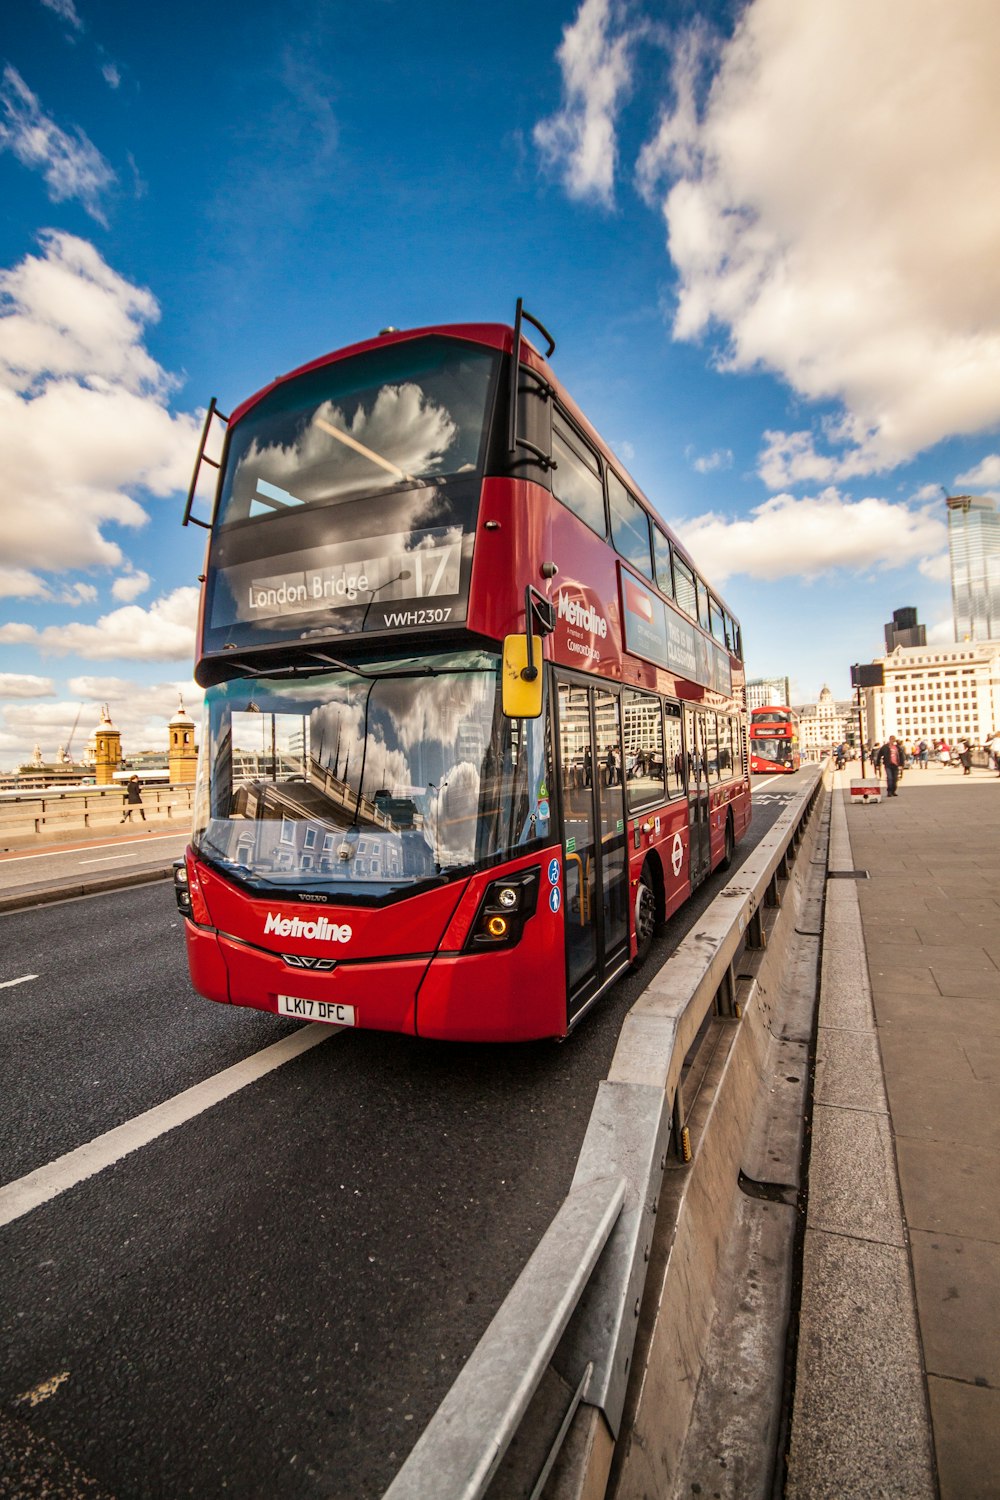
[(473, 722), (774, 739)]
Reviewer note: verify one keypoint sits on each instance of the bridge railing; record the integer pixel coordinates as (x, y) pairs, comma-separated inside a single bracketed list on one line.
[(566, 1333)]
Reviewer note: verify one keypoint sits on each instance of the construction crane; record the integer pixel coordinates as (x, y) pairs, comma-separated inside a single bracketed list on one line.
[(69, 743)]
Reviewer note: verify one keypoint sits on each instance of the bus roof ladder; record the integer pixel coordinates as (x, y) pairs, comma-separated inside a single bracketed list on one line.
[(514, 441), (213, 411)]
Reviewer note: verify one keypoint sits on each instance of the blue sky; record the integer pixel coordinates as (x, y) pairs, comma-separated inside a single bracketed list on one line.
[(766, 237)]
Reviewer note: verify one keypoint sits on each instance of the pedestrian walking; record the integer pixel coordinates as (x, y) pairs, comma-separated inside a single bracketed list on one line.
[(993, 745), (891, 757), (923, 753), (133, 800), (965, 756)]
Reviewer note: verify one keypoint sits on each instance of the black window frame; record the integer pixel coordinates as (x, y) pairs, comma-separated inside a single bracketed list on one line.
[(636, 803), (648, 570), (565, 431)]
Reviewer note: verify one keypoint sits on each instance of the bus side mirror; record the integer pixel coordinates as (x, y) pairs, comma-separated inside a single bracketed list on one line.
[(521, 696)]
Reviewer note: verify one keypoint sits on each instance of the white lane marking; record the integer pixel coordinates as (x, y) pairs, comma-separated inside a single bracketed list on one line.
[(7, 983), (13, 859), (47, 1182), (109, 859), (758, 784)]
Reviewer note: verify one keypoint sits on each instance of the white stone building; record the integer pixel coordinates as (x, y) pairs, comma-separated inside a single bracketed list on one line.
[(825, 724), (938, 692)]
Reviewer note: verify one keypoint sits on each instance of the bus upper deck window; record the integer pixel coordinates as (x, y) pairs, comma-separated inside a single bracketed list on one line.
[(661, 551), (629, 526), (577, 477), (684, 586)]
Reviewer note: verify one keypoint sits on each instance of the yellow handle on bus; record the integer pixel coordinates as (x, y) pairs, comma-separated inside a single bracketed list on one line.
[(521, 696)]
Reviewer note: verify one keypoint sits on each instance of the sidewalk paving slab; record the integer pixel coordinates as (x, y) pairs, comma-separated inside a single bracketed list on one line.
[(930, 915)]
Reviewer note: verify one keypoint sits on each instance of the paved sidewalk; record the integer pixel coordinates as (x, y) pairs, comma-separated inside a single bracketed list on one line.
[(898, 1383)]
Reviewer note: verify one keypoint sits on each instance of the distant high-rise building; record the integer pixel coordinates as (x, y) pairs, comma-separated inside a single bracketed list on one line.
[(974, 548), (903, 630), (762, 691)]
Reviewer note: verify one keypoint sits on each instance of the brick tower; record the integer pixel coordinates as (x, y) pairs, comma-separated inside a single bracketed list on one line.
[(182, 757), (107, 749)]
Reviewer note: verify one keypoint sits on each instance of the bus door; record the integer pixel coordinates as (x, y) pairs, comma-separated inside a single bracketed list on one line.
[(595, 866), (696, 748)]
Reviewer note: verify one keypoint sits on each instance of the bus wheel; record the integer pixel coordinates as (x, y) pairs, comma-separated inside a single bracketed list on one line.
[(645, 918), (727, 857)]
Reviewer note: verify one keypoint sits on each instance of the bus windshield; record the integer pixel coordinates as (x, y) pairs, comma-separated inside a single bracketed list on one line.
[(367, 786), (409, 412), (779, 751)]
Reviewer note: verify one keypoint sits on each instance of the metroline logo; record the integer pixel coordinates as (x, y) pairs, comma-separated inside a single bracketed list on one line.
[(295, 927), (584, 616)]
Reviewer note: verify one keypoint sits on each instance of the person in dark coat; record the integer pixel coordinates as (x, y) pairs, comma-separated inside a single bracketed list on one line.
[(891, 757), (133, 799)]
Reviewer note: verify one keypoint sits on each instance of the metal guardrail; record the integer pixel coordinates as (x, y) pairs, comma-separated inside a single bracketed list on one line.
[(32, 812), (588, 1272)]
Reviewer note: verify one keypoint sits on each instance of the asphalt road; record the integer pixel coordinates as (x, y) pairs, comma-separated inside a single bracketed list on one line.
[(272, 1298), (80, 863)]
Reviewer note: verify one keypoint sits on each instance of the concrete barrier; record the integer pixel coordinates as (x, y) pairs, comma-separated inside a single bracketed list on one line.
[(678, 1122), (30, 818)]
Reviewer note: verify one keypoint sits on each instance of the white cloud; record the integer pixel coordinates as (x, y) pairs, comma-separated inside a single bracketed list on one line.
[(130, 586), (579, 142), (83, 414), (941, 633), (788, 537), (710, 463), (141, 711), (19, 583), (832, 205), (71, 164), (66, 11), (164, 632), (21, 685), (112, 76), (985, 476)]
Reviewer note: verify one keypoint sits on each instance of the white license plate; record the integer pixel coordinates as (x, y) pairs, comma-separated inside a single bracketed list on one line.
[(316, 1010)]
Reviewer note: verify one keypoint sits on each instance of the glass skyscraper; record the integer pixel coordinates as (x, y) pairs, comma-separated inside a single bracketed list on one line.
[(974, 547)]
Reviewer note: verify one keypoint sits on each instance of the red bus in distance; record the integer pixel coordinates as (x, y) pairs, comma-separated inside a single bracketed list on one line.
[(473, 722), (774, 739)]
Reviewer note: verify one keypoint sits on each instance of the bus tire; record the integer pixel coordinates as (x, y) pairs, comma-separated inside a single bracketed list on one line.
[(644, 915), (727, 857)]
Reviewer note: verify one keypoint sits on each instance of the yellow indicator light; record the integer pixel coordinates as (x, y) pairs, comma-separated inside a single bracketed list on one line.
[(497, 927)]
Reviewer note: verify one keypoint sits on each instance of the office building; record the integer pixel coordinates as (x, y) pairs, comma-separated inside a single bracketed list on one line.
[(762, 691), (903, 630), (938, 692), (974, 550)]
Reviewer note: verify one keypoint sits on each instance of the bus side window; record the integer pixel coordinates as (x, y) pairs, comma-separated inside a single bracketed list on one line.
[(703, 619), (711, 747), (730, 626), (715, 616), (661, 551), (684, 586), (673, 749), (644, 763), (577, 477), (727, 744), (629, 526)]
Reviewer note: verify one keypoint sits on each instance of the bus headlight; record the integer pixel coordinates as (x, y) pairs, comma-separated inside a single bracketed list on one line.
[(182, 888), (506, 905)]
